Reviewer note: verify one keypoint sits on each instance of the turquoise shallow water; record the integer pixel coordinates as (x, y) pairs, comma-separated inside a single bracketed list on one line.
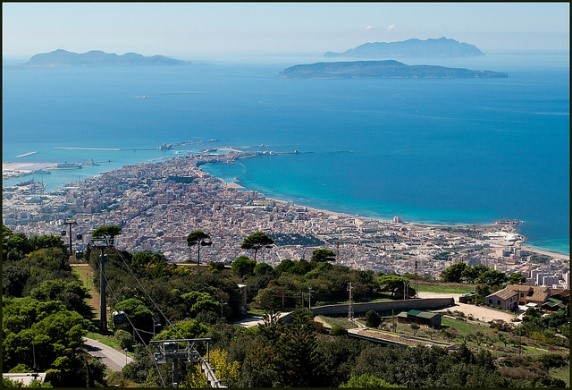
[(442, 151)]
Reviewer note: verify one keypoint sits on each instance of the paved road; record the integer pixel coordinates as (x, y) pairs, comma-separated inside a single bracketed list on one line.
[(480, 313), (112, 358)]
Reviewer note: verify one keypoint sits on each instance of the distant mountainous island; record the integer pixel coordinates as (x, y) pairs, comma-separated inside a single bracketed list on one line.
[(388, 69), (429, 48), (96, 57)]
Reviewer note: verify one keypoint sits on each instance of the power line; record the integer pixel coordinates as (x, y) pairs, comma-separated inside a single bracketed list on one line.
[(144, 291), (170, 346), (135, 330)]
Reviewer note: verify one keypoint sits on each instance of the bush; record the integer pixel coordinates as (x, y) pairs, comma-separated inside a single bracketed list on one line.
[(553, 361), (372, 319), (216, 267), (338, 330), (125, 339)]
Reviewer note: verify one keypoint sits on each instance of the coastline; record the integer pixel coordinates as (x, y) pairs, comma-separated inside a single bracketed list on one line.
[(541, 251), (337, 214), (355, 218)]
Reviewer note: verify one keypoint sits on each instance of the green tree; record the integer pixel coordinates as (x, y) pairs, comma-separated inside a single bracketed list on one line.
[(45, 241), (125, 339), (14, 279), (15, 245), (256, 241), (322, 255), (44, 335), (71, 293), (368, 381), (140, 318), (492, 278), (106, 230), (264, 269), (298, 359), (202, 304), (482, 290), (516, 278), (398, 286), (274, 297), (372, 319), (471, 273), (453, 273), (198, 238), (272, 327), (243, 266), (285, 266), (187, 329)]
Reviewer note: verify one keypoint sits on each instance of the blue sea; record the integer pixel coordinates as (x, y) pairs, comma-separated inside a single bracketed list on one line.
[(439, 151)]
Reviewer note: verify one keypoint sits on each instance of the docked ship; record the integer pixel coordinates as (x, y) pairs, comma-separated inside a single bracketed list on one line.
[(67, 165)]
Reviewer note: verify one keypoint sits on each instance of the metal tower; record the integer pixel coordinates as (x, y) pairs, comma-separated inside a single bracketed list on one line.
[(350, 305), (102, 243)]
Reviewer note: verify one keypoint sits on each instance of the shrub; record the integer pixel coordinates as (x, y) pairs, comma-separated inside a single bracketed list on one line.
[(338, 330), (372, 319), (125, 339)]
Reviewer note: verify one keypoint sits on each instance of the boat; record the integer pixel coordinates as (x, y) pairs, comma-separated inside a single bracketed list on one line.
[(25, 183), (68, 166)]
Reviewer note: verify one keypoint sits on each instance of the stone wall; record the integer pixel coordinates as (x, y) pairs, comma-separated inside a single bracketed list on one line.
[(396, 306)]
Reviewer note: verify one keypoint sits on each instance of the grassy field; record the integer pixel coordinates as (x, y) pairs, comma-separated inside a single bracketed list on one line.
[(85, 275), (562, 373), (340, 321), (436, 287), (110, 341)]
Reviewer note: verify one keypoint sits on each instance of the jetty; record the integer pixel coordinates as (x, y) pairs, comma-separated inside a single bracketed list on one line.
[(26, 154)]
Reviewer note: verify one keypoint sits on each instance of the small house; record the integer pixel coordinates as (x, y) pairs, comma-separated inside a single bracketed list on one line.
[(432, 320)]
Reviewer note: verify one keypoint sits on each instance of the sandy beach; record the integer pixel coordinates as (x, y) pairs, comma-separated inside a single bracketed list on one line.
[(559, 256)]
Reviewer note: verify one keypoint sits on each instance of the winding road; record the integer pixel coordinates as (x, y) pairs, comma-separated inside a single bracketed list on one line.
[(115, 360)]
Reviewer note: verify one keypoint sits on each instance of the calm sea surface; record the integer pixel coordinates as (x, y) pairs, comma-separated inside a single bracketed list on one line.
[(442, 151)]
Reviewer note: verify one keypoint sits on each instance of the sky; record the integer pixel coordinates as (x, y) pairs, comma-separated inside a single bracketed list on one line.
[(189, 30)]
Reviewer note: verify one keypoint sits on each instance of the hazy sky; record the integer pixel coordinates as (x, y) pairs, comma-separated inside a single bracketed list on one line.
[(189, 30)]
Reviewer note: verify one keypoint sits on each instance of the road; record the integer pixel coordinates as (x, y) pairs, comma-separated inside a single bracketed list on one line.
[(480, 313), (115, 360)]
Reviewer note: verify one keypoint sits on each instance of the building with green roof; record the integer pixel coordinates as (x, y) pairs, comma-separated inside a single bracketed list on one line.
[(430, 319)]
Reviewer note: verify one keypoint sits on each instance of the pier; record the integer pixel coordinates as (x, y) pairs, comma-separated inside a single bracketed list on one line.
[(26, 154)]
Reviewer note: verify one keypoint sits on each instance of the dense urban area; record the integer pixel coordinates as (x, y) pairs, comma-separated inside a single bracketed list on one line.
[(158, 204), (257, 292)]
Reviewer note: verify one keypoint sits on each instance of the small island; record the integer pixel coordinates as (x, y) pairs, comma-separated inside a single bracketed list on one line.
[(61, 57), (388, 69), (429, 48)]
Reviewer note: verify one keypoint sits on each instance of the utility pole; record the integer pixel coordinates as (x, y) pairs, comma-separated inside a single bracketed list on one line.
[(70, 222), (310, 298), (102, 243), (350, 305)]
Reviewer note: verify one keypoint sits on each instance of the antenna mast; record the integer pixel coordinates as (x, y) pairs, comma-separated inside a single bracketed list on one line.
[(350, 305)]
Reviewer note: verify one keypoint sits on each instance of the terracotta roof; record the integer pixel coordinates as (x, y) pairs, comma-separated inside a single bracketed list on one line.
[(539, 294), (563, 292), (505, 294)]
